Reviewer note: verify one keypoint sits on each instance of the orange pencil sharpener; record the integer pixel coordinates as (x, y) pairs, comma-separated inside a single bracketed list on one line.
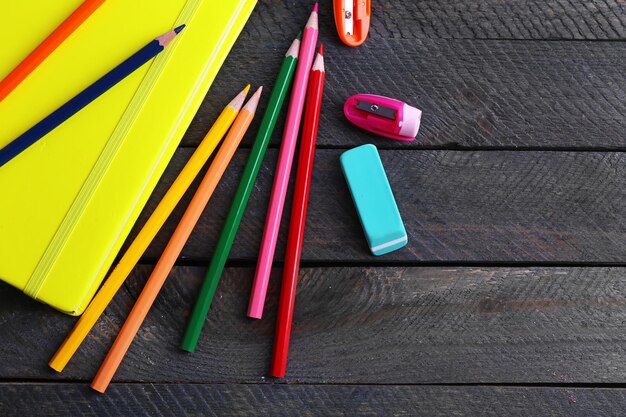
[(352, 18)]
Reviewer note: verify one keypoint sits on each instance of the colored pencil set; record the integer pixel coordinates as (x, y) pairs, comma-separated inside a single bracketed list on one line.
[(302, 70)]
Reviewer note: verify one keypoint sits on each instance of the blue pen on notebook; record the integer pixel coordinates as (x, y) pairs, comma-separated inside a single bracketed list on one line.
[(373, 199), (85, 97)]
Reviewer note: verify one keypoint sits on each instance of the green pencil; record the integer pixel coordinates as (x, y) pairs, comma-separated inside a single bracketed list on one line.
[(225, 242)]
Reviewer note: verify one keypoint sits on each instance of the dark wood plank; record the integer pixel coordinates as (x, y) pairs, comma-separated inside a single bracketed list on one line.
[(451, 19), (456, 206), (474, 94), (311, 400), (354, 326)]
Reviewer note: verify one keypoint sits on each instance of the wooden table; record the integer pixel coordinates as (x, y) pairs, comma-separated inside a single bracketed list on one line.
[(510, 298)]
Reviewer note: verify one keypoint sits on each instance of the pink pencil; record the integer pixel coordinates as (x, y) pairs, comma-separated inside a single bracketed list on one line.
[(283, 167)]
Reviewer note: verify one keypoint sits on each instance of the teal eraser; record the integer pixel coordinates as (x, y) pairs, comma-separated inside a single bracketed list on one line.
[(373, 199)]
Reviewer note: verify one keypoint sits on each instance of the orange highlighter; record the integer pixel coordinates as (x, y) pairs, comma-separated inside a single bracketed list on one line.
[(352, 18)]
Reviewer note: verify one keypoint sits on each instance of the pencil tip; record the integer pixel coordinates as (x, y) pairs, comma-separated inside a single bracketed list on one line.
[(315, 7), (321, 50), (237, 102), (294, 49), (299, 37), (312, 23), (254, 101), (318, 64), (166, 38)]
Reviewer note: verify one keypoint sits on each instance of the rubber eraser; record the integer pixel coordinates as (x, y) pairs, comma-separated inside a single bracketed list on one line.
[(373, 198)]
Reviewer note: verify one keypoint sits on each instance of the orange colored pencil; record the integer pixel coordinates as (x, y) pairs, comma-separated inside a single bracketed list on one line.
[(52, 42), (175, 245)]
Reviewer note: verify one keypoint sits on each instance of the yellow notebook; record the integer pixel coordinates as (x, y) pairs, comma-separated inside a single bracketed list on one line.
[(68, 202)]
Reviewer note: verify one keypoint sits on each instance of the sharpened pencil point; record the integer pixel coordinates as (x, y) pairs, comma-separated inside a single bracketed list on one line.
[(321, 50), (315, 7), (166, 38), (299, 37), (294, 49), (254, 101), (237, 102), (318, 64), (312, 23)]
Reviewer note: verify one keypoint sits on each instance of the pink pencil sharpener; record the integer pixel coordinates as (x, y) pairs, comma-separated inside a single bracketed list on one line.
[(384, 116)]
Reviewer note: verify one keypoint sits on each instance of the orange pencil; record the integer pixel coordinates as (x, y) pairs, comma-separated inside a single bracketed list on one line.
[(175, 245), (39, 54)]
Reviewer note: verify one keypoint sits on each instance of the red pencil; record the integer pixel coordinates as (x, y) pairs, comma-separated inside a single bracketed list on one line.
[(298, 216)]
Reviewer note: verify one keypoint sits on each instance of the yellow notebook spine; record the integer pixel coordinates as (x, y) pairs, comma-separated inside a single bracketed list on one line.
[(103, 163), (66, 265)]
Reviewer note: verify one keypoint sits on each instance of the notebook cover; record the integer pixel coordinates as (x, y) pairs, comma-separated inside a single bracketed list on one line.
[(70, 200)]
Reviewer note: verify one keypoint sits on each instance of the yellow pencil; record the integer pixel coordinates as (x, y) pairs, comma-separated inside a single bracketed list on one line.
[(147, 233), (175, 245)]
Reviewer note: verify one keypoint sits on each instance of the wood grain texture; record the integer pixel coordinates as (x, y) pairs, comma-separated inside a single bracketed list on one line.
[(473, 94), (312, 400), (400, 339), (457, 206), (359, 325), (453, 19)]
